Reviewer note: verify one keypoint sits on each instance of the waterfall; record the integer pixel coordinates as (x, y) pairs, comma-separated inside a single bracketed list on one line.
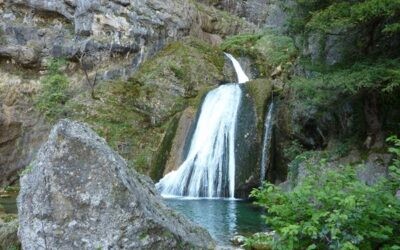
[(265, 153), (241, 76), (209, 168)]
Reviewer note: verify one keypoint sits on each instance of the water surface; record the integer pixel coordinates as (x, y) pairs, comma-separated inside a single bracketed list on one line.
[(223, 218), (9, 203)]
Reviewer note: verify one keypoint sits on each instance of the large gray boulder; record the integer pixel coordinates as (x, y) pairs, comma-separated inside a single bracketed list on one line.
[(79, 194)]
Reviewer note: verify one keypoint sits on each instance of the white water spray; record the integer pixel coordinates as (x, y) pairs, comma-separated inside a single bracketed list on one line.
[(265, 154), (209, 168), (241, 76)]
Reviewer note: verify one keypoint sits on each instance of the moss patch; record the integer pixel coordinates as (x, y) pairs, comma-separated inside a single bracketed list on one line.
[(158, 166), (260, 91), (268, 50), (138, 116), (220, 22)]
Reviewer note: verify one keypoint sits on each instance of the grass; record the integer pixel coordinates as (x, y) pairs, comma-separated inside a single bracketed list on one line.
[(267, 49)]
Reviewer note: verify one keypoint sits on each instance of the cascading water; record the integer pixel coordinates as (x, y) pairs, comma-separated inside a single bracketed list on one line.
[(209, 168), (265, 154), (241, 76)]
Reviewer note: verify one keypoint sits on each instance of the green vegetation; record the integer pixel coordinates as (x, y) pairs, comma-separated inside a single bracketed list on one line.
[(333, 14), (261, 92), (373, 60), (158, 164), (115, 118), (382, 76), (333, 209), (362, 37), (394, 169), (329, 207), (137, 116), (293, 150), (54, 94), (191, 62), (241, 44), (268, 50)]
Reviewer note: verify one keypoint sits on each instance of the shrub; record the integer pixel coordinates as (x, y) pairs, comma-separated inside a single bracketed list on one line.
[(54, 92), (394, 169), (333, 209)]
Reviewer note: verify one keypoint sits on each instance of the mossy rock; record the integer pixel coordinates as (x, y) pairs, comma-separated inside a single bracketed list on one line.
[(261, 93), (268, 50), (159, 161), (135, 115), (215, 21)]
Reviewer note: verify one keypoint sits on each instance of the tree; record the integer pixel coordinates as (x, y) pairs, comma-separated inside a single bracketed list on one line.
[(372, 74), (87, 61)]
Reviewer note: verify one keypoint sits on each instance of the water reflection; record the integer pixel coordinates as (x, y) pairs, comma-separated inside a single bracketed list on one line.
[(8, 203), (223, 218)]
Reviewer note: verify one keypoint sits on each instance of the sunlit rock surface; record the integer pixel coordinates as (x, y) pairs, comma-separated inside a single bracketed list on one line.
[(79, 194)]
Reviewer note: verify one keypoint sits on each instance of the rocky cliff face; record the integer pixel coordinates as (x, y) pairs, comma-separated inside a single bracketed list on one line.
[(80, 194), (263, 13), (109, 39), (22, 130), (32, 30)]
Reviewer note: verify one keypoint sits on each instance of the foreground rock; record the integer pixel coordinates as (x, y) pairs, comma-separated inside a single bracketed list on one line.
[(80, 194)]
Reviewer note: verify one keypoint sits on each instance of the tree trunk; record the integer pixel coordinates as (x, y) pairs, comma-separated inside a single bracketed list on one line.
[(371, 113)]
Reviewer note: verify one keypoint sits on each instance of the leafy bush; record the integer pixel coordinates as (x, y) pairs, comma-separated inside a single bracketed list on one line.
[(54, 92), (333, 209), (394, 169), (293, 150)]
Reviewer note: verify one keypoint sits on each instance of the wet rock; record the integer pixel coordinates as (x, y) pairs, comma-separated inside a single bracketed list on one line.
[(177, 153), (238, 240), (80, 194), (247, 144), (247, 65)]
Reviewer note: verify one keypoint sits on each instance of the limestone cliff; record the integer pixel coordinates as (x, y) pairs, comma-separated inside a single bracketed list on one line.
[(101, 41)]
